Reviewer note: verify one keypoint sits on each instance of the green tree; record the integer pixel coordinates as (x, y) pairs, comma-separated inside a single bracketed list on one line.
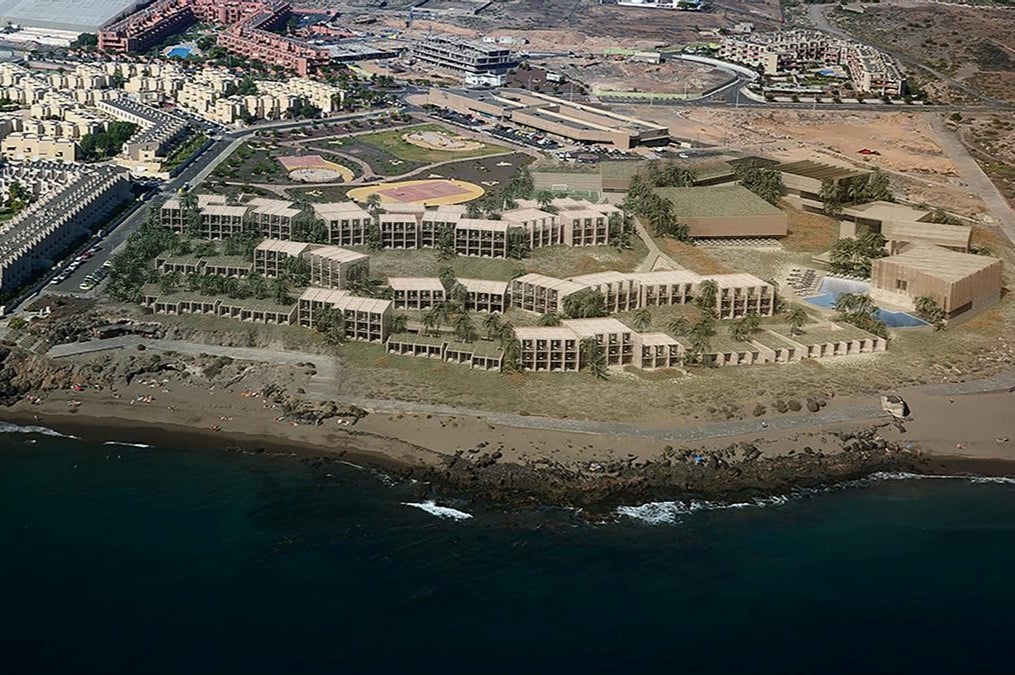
[(585, 304), (491, 324), (678, 326), (642, 319), (744, 329), (548, 319), (593, 359), (707, 299), (330, 322), (795, 319), (281, 291), (465, 329), (831, 196), (930, 311)]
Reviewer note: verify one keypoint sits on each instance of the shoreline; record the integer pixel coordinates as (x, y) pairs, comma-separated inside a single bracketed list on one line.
[(519, 485)]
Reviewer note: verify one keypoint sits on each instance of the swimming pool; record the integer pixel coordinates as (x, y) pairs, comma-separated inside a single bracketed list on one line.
[(831, 288), (178, 52)]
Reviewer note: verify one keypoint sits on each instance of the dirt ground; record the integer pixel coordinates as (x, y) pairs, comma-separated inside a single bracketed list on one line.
[(618, 73), (990, 138), (975, 44), (907, 144)]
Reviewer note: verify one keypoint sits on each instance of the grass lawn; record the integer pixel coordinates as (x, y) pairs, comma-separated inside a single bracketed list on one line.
[(809, 232), (184, 151), (558, 261), (692, 257), (391, 142), (255, 161)]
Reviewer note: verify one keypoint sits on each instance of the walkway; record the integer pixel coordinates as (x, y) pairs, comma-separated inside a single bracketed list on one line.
[(656, 259), (979, 183)]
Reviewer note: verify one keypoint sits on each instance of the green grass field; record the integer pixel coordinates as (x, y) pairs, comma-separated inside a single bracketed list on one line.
[(392, 143)]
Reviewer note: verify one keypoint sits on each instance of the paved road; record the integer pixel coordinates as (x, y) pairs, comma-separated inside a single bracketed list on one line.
[(325, 386), (974, 176), (656, 259)]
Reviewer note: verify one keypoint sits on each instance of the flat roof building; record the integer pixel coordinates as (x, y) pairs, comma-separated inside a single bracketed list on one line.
[(552, 115), (725, 211), (455, 54), (957, 282)]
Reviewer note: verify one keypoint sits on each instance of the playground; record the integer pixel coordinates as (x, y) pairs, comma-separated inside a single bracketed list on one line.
[(315, 169), (440, 140), (429, 192)]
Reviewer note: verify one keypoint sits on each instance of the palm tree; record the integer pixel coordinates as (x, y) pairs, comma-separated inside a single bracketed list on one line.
[(281, 291), (796, 318), (707, 292), (491, 324), (855, 304), (593, 359), (506, 333), (742, 330), (549, 319), (642, 319), (432, 320), (465, 329), (545, 200), (678, 326), (399, 323), (373, 204)]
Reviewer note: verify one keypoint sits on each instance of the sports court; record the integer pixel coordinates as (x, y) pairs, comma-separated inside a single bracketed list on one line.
[(433, 192)]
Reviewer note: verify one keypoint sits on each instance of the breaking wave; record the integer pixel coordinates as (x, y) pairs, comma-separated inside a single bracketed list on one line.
[(129, 445), (433, 509), (659, 513), (662, 513), (7, 428)]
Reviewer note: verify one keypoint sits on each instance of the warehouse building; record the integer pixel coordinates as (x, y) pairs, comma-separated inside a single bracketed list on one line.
[(551, 115)]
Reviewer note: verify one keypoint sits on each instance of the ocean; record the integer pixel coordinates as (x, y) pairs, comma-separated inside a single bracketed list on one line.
[(121, 559)]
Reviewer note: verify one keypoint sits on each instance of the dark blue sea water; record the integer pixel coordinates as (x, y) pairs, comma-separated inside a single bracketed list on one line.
[(130, 560)]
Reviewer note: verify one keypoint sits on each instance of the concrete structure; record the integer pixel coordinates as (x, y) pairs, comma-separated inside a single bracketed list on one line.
[(70, 201), (803, 180), (250, 310), (901, 225), (485, 295), (219, 266), (416, 293), (85, 16), (274, 257), (366, 319), (540, 293), (870, 71), (725, 211), (615, 339), (465, 57), (159, 133), (30, 147), (555, 116), (653, 351), (248, 32), (334, 267), (548, 349), (347, 222), (957, 282), (481, 355)]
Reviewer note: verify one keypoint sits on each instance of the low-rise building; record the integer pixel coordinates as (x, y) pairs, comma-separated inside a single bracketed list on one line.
[(365, 319), (416, 293), (334, 267), (957, 282), (548, 349), (725, 211), (274, 257), (540, 293), (455, 54), (485, 295), (616, 341)]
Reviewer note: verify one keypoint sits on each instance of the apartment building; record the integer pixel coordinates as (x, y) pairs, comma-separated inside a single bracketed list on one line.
[(159, 133), (548, 349), (366, 319), (273, 257), (620, 290), (273, 218), (653, 351), (486, 295), (248, 32), (334, 267), (540, 293), (452, 53), (870, 70), (416, 293), (28, 147), (615, 339), (218, 220), (70, 201), (481, 238), (347, 222)]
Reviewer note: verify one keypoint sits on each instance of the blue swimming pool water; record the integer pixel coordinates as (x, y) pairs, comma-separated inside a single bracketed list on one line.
[(179, 52), (831, 288)]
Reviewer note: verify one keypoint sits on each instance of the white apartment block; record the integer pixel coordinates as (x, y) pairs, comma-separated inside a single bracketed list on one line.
[(70, 200)]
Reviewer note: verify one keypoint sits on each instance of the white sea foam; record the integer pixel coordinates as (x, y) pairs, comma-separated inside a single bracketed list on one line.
[(433, 509), (660, 513), (7, 428), (997, 480), (129, 445)]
